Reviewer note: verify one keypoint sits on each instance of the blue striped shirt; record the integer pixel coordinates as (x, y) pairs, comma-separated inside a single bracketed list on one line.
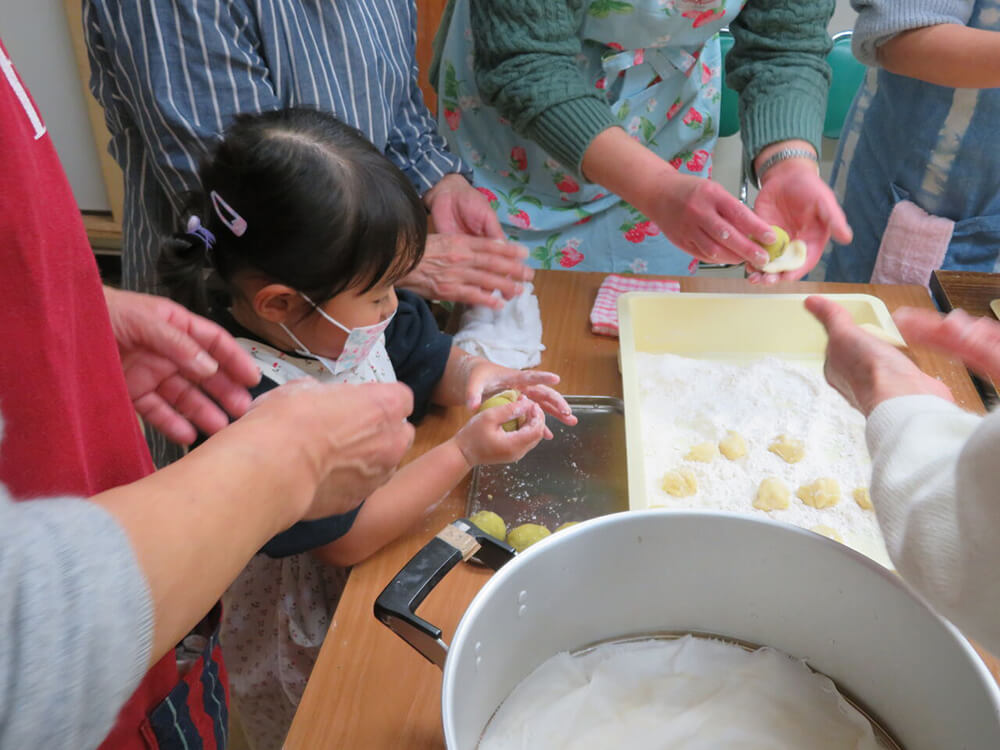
[(171, 75)]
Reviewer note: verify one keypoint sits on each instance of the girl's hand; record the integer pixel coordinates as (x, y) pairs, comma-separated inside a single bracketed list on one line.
[(483, 439), (485, 378)]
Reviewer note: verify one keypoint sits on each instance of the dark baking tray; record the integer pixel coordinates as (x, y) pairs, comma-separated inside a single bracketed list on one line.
[(581, 473)]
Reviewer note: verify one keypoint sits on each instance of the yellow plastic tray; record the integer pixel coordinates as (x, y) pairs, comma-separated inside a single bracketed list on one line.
[(724, 327)]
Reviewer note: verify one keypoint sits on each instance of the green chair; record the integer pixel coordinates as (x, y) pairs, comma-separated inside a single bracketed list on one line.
[(848, 73), (729, 119)]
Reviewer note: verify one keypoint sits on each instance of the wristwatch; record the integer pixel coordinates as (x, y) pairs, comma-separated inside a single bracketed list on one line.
[(781, 155)]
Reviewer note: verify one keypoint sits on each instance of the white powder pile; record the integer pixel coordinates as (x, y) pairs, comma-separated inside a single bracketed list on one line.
[(689, 401)]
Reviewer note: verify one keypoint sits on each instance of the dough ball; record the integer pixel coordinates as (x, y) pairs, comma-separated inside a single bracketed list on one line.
[(784, 254), (703, 452), (828, 532), (680, 482), (523, 536), (823, 493), (790, 449), (772, 494), (566, 525), (491, 523), (733, 446), (504, 397), (863, 498)]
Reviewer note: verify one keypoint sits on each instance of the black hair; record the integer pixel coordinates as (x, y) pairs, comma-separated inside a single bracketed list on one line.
[(324, 209)]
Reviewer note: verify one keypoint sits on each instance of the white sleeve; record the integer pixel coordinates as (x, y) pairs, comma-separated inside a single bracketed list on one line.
[(936, 491)]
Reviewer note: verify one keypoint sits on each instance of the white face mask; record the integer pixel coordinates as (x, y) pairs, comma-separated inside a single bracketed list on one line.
[(357, 348)]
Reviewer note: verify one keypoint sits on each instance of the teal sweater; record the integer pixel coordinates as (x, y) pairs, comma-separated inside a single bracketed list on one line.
[(528, 71)]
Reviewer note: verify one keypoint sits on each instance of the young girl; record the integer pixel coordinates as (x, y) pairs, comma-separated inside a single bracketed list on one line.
[(304, 227)]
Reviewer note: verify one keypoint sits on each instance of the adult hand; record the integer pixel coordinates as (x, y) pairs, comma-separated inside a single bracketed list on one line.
[(484, 441), (461, 268), (174, 361), (864, 369), (458, 208), (347, 439), (974, 341), (796, 198), (703, 219)]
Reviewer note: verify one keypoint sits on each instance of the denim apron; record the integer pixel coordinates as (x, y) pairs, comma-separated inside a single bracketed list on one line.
[(658, 64), (932, 145)]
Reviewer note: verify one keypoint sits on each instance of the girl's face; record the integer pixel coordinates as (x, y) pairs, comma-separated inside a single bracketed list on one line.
[(351, 308)]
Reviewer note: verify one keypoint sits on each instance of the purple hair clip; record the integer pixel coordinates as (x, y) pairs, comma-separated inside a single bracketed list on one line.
[(236, 223), (194, 227)]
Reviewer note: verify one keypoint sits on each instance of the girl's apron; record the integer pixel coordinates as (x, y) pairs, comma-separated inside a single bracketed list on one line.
[(279, 609), (658, 64), (932, 145)]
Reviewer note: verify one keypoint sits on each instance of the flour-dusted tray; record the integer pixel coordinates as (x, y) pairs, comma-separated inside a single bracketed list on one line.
[(579, 474), (766, 334)]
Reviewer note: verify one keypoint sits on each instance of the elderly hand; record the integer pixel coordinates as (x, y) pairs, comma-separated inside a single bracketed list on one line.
[(174, 361), (469, 257), (794, 197), (348, 439), (864, 369), (974, 341)]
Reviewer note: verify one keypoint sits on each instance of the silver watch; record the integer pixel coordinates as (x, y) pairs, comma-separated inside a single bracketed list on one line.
[(783, 154)]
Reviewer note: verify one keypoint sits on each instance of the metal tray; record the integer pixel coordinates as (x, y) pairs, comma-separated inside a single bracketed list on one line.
[(581, 473)]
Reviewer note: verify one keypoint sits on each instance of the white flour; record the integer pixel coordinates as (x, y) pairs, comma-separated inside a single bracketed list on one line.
[(689, 401)]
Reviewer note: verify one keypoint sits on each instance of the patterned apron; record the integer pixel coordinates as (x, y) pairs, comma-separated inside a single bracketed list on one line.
[(279, 610), (948, 163), (658, 63)]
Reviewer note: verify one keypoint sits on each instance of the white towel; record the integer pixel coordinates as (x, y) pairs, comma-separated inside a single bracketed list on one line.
[(510, 336)]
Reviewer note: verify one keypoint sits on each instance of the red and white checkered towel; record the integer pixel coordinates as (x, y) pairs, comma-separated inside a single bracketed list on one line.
[(604, 314)]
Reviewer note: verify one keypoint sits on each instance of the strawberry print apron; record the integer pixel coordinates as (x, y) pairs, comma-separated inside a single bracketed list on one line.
[(658, 64)]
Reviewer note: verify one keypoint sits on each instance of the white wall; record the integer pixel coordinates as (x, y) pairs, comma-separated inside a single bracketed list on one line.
[(36, 35)]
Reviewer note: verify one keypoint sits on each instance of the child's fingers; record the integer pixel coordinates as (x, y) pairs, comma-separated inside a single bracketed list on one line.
[(552, 402)]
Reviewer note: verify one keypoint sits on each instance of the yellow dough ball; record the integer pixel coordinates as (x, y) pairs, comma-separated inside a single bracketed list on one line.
[(733, 446), (680, 483), (827, 532), (491, 523), (566, 525), (790, 449), (863, 498), (504, 397), (823, 493), (523, 536), (775, 249), (703, 452), (772, 495)]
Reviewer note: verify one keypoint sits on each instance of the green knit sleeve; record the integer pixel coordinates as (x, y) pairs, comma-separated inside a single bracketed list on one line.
[(527, 70), (778, 66)]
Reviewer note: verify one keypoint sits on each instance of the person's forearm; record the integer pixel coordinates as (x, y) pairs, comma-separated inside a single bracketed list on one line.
[(195, 524), (396, 506), (626, 168), (946, 55), (450, 390)]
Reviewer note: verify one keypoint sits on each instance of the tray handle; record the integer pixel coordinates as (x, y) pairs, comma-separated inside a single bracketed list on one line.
[(396, 605)]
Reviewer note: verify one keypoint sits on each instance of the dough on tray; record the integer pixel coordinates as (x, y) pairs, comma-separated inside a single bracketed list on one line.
[(703, 453), (733, 446), (823, 493), (863, 498), (772, 494), (792, 450), (827, 532), (680, 482)]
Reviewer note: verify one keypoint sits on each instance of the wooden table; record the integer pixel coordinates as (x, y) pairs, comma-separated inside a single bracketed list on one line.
[(370, 690), (971, 291)]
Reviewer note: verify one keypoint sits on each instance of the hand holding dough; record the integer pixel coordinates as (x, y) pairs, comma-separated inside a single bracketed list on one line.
[(784, 254)]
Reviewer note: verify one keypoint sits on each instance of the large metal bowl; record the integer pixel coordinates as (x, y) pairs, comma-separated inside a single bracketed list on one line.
[(747, 579)]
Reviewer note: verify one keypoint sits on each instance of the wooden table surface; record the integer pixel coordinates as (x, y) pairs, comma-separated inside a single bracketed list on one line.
[(371, 690)]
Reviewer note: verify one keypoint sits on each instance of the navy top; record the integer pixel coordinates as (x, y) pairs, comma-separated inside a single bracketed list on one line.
[(418, 351)]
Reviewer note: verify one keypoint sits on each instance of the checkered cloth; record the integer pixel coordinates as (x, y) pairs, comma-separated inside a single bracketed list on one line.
[(604, 314)]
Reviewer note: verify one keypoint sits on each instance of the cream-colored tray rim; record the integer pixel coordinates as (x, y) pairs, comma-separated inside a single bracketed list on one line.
[(725, 327)]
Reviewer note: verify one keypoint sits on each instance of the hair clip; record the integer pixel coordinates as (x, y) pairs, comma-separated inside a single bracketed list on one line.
[(195, 227), (236, 223)]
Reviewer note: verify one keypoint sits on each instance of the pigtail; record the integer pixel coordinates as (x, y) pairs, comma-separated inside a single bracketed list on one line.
[(185, 258)]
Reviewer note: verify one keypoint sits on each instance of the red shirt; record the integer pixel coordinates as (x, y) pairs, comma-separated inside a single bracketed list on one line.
[(70, 427)]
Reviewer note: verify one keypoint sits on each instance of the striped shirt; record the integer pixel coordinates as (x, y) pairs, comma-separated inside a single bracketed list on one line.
[(171, 75)]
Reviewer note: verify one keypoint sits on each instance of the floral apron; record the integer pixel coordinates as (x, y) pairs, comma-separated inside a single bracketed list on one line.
[(948, 164), (659, 65)]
